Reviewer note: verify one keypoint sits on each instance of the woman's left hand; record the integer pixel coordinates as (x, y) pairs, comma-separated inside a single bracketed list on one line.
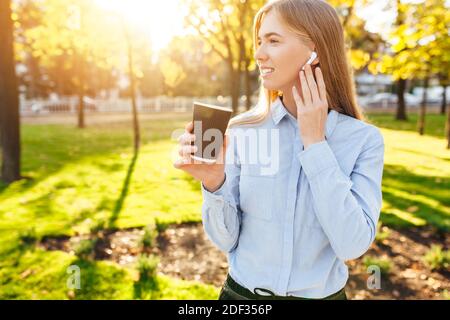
[(312, 110)]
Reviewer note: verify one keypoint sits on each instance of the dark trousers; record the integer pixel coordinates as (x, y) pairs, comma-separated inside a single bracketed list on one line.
[(231, 290)]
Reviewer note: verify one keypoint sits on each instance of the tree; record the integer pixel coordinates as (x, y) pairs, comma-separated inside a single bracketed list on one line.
[(74, 39), (9, 99), (395, 61), (430, 27), (225, 25), (131, 75)]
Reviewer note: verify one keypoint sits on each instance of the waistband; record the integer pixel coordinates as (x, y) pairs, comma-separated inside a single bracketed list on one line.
[(264, 294)]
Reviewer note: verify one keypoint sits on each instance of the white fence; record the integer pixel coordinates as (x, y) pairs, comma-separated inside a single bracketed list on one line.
[(156, 104)]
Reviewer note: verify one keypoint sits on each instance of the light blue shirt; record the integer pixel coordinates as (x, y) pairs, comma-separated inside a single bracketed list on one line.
[(289, 224)]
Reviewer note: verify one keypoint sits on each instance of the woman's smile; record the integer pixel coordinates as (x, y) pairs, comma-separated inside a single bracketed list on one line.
[(266, 72)]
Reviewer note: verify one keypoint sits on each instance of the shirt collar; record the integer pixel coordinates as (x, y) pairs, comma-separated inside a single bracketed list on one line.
[(279, 111)]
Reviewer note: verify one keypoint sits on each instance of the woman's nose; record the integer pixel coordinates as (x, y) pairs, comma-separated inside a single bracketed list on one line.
[(260, 55)]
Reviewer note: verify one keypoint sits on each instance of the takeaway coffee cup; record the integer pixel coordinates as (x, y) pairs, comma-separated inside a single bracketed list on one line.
[(210, 124)]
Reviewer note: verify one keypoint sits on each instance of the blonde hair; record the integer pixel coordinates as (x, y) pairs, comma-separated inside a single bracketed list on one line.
[(313, 21)]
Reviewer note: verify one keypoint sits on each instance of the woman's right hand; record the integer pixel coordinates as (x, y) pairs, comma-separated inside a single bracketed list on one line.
[(212, 175)]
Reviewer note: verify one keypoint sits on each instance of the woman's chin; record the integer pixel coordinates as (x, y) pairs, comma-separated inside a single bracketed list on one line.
[(269, 85)]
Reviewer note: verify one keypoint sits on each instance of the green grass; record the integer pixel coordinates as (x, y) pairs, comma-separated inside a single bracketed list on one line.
[(437, 258), (384, 264), (85, 180), (434, 123), (81, 177), (37, 274), (416, 178)]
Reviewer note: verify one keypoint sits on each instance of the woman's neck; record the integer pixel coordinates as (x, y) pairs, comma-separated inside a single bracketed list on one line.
[(289, 103)]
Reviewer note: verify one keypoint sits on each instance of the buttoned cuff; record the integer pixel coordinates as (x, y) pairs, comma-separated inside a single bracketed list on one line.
[(317, 158)]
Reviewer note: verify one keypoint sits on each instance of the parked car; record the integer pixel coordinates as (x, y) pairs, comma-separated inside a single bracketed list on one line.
[(389, 100), (63, 105)]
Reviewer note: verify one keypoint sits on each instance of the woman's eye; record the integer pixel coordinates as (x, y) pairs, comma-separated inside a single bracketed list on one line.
[(273, 41)]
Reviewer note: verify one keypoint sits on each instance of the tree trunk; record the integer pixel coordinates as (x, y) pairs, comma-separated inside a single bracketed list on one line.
[(444, 99), (136, 131), (81, 79), (9, 99), (248, 86), (234, 79), (447, 128), (423, 106), (401, 107), (80, 109), (137, 136)]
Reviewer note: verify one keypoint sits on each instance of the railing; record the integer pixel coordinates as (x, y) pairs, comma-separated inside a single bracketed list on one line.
[(144, 105)]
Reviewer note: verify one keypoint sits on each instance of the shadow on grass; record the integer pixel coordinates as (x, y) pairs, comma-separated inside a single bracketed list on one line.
[(123, 194), (434, 188), (98, 282), (145, 288), (46, 149), (434, 123)]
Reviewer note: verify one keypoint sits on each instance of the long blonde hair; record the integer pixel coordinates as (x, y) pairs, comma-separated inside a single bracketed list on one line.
[(313, 21)]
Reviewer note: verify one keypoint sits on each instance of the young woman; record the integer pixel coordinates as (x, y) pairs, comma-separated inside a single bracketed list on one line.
[(288, 229)]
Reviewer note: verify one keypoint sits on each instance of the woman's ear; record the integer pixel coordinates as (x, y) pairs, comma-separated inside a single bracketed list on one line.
[(316, 60)]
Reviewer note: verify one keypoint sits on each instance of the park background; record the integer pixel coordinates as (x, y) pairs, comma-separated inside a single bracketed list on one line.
[(93, 92)]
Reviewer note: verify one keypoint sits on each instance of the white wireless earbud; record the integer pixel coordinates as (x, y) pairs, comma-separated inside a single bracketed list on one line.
[(311, 59)]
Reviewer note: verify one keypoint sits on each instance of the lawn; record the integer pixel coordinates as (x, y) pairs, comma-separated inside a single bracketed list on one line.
[(82, 180)]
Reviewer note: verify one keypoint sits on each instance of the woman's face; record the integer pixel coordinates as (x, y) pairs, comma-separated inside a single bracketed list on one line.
[(282, 52)]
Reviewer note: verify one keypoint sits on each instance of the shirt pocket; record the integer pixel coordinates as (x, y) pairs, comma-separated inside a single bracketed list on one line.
[(256, 193)]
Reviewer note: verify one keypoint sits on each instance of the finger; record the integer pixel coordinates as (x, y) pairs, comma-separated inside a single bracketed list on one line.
[(312, 84), (180, 163), (187, 150), (189, 126), (186, 138), (321, 85), (305, 90), (297, 98)]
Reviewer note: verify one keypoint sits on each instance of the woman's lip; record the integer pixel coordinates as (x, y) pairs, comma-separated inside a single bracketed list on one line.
[(267, 74)]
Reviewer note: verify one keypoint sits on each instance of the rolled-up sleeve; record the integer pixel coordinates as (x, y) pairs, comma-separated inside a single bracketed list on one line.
[(348, 208), (221, 214)]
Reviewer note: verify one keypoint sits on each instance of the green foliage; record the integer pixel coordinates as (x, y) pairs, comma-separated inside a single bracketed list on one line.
[(85, 248), (147, 266), (437, 258), (419, 42), (382, 232), (384, 264), (161, 226), (149, 236), (98, 226), (445, 295), (28, 237)]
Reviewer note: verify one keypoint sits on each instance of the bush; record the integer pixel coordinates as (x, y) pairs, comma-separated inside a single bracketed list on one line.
[(383, 263), (382, 233), (436, 258), (99, 225), (161, 226), (28, 237), (85, 248), (150, 234), (147, 266)]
